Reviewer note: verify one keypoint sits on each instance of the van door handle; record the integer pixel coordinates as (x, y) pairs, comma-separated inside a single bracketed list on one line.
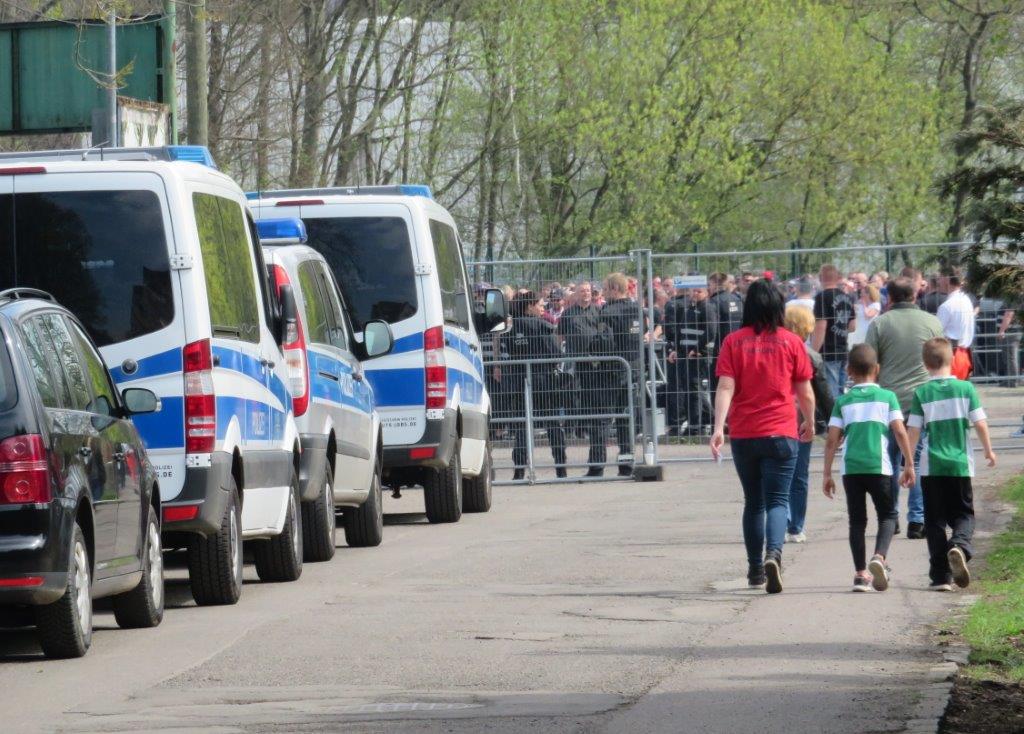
[(85, 452), (329, 375)]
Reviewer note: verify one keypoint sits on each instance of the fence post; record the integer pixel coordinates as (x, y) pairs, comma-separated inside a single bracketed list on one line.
[(528, 408), (649, 470)]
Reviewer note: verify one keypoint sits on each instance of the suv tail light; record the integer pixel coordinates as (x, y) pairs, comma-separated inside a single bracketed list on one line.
[(200, 401), (294, 350), (24, 472), (437, 371)]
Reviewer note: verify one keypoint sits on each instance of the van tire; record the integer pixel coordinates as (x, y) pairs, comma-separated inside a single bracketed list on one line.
[(442, 490), (280, 558), (364, 525), (318, 522), (143, 606), (476, 491), (64, 630), (215, 562)]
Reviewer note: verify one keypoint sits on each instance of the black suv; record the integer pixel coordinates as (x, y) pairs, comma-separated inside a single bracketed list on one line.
[(79, 504)]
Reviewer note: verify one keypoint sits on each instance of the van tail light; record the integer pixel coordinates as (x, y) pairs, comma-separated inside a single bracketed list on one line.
[(200, 401), (294, 350), (437, 371), (24, 472)]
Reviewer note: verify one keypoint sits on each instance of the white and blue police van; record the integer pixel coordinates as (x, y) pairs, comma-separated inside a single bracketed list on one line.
[(156, 253), (396, 255), (333, 402)]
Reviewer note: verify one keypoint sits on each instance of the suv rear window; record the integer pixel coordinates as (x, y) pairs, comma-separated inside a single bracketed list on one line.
[(372, 260), (102, 254)]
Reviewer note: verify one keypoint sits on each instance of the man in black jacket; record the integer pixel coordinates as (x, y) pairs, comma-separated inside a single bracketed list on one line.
[(692, 333), (578, 327), (621, 334)]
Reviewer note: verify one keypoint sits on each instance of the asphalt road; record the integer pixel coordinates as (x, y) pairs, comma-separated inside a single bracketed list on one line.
[(613, 607)]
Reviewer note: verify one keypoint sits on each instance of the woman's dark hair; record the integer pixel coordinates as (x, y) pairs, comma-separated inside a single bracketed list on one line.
[(522, 302), (764, 309)]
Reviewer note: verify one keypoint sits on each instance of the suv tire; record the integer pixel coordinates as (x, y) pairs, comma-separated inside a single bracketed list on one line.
[(215, 562), (280, 558), (65, 626), (476, 491), (364, 525), (319, 523), (143, 606), (442, 490)]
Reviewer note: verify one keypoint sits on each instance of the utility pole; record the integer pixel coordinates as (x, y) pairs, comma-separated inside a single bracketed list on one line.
[(112, 136), (169, 63), (197, 74)]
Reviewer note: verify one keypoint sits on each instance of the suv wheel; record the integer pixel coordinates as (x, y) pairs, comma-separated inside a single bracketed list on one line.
[(65, 626), (364, 525), (280, 558), (476, 491), (143, 606), (215, 562), (442, 490), (319, 523)]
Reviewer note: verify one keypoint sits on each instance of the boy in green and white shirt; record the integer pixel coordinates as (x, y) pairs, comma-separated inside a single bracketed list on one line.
[(944, 408), (864, 416)]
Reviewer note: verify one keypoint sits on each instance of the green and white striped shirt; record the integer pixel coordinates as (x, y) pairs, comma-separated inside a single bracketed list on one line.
[(864, 415), (945, 408)]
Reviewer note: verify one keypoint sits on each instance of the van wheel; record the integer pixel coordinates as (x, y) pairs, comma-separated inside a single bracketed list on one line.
[(280, 558), (442, 491), (476, 491), (318, 522), (65, 626), (143, 606), (364, 525), (215, 562)]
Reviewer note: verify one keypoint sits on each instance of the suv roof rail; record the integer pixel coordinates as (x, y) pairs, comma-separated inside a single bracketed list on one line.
[(392, 190), (16, 294), (192, 153)]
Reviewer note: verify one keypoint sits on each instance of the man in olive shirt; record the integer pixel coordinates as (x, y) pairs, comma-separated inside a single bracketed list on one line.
[(898, 336)]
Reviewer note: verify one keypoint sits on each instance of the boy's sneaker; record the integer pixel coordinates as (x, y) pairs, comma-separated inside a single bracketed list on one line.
[(958, 567), (879, 573), (940, 586), (773, 573), (756, 576), (796, 537), (861, 583)]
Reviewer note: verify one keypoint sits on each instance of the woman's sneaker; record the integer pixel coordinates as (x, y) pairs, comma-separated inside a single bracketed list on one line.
[(796, 537), (879, 573), (773, 574), (755, 576), (958, 567), (861, 583)]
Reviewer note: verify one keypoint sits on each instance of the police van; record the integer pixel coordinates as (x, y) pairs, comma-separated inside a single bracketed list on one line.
[(156, 253), (396, 255), (333, 402)]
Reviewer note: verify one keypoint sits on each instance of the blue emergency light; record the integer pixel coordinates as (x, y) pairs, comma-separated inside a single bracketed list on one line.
[(283, 231), (192, 153)]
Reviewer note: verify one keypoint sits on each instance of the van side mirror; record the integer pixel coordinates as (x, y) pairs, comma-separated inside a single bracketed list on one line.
[(494, 316), (377, 339), (288, 324), (138, 401)]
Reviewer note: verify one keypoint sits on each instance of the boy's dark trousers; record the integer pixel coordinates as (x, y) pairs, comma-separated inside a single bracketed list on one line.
[(948, 501), (858, 487)]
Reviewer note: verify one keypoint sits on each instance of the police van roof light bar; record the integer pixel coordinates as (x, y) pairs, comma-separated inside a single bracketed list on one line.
[(282, 231), (394, 190), (189, 153)]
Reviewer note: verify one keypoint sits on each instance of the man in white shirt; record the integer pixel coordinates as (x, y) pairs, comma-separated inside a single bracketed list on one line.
[(956, 314)]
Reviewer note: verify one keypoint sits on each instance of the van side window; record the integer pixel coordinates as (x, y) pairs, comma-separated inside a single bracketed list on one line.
[(227, 262), (104, 402), (339, 324), (44, 364), (451, 276), (53, 327), (315, 322)]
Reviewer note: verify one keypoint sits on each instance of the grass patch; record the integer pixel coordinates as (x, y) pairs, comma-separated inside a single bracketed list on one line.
[(995, 624)]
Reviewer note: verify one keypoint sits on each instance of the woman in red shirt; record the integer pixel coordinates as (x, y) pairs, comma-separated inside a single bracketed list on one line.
[(760, 369)]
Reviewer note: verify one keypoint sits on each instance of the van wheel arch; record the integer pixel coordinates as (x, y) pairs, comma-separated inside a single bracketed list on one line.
[(238, 472), (332, 451), (83, 516)]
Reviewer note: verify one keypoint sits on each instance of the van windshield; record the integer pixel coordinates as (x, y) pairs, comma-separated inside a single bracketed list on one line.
[(102, 254), (372, 261)]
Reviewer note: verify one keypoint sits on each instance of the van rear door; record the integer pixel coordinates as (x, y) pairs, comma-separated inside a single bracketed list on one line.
[(100, 243)]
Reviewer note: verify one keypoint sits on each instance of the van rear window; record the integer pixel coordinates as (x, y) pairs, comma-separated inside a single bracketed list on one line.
[(372, 260), (102, 254)]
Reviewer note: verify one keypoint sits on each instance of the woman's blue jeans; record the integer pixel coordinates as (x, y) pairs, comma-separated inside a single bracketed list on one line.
[(798, 490), (765, 467)]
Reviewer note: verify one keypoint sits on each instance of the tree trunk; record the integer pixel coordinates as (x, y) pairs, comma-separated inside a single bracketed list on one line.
[(197, 74)]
